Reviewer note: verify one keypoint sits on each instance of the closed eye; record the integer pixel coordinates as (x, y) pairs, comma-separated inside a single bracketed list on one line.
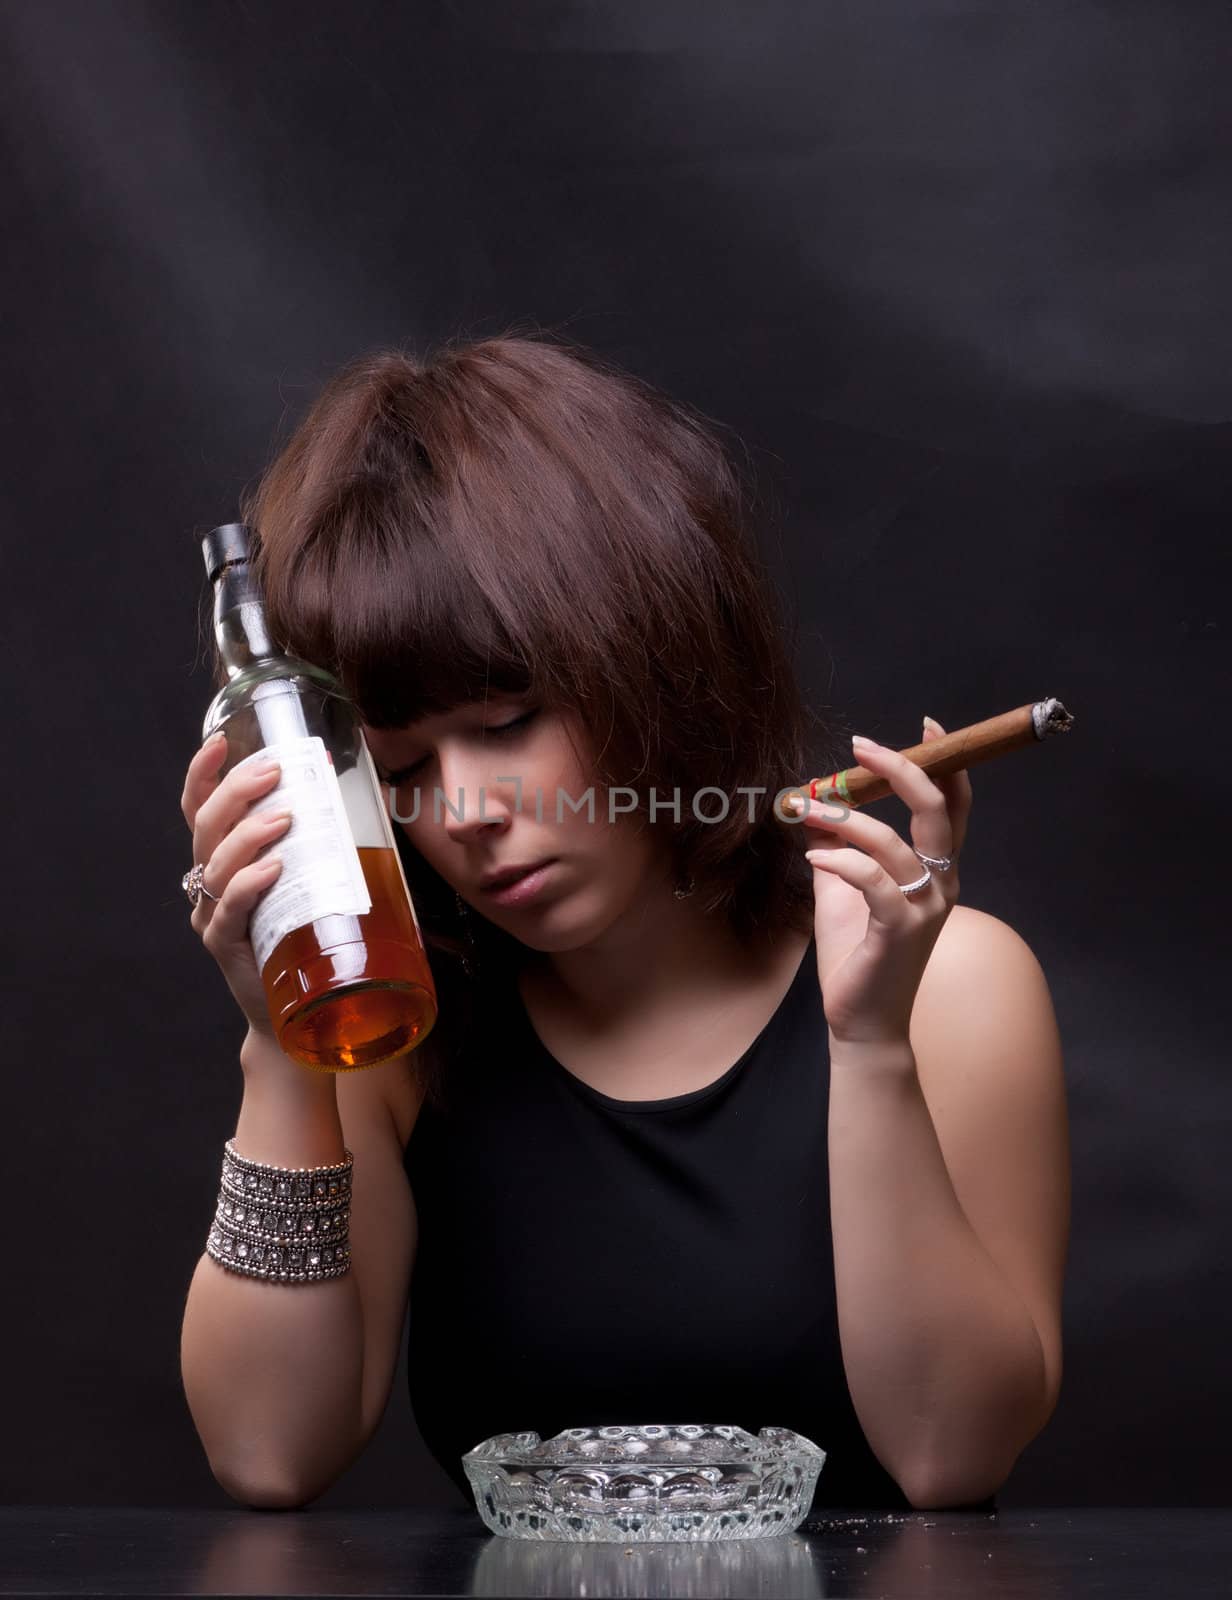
[(504, 730)]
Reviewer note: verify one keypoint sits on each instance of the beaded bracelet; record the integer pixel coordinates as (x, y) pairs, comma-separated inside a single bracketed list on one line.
[(283, 1224)]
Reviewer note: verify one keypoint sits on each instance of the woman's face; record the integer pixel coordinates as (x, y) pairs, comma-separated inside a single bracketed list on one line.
[(500, 784)]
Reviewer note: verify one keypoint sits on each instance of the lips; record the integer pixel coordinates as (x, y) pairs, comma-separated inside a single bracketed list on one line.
[(507, 875)]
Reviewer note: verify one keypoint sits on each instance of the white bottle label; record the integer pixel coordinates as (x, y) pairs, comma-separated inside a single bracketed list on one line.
[(321, 874)]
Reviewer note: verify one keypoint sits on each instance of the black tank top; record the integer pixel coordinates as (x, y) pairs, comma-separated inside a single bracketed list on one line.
[(584, 1260)]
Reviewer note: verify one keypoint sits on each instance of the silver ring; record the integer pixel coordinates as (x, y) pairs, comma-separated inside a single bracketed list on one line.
[(193, 885), (942, 863)]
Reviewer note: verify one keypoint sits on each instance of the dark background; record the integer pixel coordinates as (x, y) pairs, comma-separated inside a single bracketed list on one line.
[(955, 273)]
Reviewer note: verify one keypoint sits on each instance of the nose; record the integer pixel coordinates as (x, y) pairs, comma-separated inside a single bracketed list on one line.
[(473, 801)]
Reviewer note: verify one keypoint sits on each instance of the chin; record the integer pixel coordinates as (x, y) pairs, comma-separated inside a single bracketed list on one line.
[(563, 926)]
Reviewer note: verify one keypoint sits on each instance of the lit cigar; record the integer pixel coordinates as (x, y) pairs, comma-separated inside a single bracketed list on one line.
[(952, 752)]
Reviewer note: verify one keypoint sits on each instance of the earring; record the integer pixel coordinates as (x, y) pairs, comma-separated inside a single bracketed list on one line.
[(683, 890), (469, 958)]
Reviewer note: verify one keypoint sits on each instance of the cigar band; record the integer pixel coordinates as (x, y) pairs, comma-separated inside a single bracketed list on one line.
[(836, 783)]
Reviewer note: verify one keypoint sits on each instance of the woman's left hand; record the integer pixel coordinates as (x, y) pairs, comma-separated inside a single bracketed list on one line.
[(873, 941)]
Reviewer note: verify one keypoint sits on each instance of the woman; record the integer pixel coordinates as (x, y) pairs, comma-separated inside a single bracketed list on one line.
[(709, 1128)]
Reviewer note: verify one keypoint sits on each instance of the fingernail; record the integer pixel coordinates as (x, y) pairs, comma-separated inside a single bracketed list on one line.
[(858, 738), (797, 804), (929, 723)]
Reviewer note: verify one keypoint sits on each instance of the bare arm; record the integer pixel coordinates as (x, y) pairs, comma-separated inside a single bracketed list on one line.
[(949, 1172), (286, 1383)]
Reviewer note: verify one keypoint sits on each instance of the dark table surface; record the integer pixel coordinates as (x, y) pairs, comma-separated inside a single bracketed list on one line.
[(1035, 1555)]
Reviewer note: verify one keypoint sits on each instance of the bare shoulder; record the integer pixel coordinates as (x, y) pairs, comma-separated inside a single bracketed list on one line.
[(965, 924), (975, 938), (982, 978)]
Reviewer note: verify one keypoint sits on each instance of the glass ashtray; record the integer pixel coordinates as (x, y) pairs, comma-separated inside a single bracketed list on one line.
[(655, 1483)]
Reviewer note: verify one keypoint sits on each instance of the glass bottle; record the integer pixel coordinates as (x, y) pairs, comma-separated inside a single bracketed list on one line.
[(336, 937)]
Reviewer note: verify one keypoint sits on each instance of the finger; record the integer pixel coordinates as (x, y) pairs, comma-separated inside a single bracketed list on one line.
[(931, 827), (252, 839), (199, 919), (956, 787), (231, 801), (227, 928), (202, 777), (888, 848), (887, 904)]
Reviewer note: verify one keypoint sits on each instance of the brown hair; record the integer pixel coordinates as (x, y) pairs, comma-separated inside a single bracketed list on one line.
[(517, 513)]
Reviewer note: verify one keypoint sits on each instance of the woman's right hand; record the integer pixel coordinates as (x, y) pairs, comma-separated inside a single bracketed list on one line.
[(226, 840)]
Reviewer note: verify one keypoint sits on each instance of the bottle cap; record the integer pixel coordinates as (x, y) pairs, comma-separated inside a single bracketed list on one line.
[(226, 543)]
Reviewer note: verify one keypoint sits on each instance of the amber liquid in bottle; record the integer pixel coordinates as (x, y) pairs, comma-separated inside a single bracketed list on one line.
[(376, 960)]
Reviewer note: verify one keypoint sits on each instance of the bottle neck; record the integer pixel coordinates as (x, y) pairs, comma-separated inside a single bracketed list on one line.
[(239, 620)]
